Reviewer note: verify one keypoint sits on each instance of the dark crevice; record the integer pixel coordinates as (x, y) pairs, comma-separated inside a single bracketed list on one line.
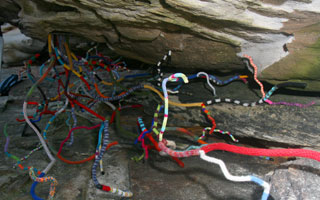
[(288, 91), (261, 143), (9, 14), (80, 5), (216, 72), (116, 30), (52, 7), (144, 1), (304, 168)]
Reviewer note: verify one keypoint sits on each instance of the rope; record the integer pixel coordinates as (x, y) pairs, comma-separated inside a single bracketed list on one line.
[(96, 162), (233, 178), (172, 78), (255, 74), (53, 181), (207, 76)]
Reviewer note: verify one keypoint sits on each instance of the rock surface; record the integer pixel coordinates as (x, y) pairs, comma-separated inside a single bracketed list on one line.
[(18, 47), (281, 36), (295, 180)]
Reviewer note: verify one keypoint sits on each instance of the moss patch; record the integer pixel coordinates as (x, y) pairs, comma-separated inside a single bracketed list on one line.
[(303, 62)]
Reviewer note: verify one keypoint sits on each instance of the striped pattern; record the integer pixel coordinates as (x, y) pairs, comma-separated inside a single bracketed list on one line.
[(47, 127), (270, 92), (96, 163), (121, 96), (39, 146), (13, 156), (155, 119), (50, 179), (8, 83), (74, 117), (255, 75), (217, 131), (53, 118), (141, 137), (99, 157), (166, 58), (173, 78), (234, 101), (105, 99), (213, 122), (177, 154)]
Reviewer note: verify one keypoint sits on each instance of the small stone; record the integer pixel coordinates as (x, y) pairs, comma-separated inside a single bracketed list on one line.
[(3, 103)]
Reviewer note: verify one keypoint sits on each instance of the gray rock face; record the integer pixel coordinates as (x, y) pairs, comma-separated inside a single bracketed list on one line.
[(281, 36), (18, 47), (296, 180)]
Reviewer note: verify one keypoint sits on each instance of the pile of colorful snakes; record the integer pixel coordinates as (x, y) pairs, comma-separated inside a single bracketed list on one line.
[(63, 66)]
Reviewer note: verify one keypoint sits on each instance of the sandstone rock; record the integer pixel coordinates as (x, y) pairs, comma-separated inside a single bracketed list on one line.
[(281, 36), (18, 47), (297, 179)]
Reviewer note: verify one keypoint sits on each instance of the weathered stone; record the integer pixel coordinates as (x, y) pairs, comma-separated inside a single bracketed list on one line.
[(18, 47), (281, 36), (138, 33), (297, 179)]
